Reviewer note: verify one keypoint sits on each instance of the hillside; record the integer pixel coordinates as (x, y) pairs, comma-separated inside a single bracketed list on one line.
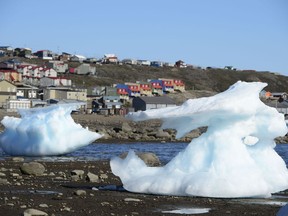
[(215, 80)]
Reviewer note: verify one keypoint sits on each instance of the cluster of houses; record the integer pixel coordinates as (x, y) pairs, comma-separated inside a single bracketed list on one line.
[(24, 85), (107, 58)]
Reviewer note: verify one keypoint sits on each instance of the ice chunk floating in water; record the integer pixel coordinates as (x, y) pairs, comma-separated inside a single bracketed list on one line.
[(44, 131), (234, 158)]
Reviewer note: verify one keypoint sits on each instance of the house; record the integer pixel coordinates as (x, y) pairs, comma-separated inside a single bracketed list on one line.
[(85, 69), (111, 104), (23, 52), (96, 106), (278, 96), (180, 64), (24, 69), (147, 103), (77, 58), (145, 88), (156, 86), (167, 85), (58, 66), (2, 53), (229, 68), (91, 60), (10, 75), (168, 64), (178, 85), (48, 72), (79, 105), (27, 91), (65, 93), (102, 91), (54, 81), (7, 50), (156, 64), (110, 59), (36, 71), (129, 61), (144, 62), (122, 91), (7, 92), (14, 105), (64, 56), (6, 65), (10, 64), (133, 89), (44, 54)]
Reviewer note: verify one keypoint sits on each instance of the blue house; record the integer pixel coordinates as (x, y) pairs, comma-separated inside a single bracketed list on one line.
[(156, 64)]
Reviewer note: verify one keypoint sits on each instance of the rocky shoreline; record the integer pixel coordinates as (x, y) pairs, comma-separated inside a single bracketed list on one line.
[(30, 187), (119, 129)]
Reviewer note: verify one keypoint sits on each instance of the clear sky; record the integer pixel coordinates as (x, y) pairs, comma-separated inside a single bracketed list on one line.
[(247, 34)]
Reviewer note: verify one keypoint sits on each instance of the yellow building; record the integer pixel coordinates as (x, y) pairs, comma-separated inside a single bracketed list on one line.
[(7, 92), (67, 94)]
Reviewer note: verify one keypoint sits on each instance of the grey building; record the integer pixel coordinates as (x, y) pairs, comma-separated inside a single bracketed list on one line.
[(84, 69), (58, 66), (147, 103)]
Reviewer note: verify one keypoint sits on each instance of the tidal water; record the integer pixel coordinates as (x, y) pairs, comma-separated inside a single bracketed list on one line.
[(105, 151)]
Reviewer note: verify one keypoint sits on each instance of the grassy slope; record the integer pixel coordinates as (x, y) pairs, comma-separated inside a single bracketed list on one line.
[(211, 80), (197, 79)]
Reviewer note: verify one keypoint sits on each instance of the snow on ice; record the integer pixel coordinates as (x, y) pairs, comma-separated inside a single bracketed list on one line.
[(44, 131), (234, 158)]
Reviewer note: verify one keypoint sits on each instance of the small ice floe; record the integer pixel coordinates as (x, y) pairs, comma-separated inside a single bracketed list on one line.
[(188, 211)]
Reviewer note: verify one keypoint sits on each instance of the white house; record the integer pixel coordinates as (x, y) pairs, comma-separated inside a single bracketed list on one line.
[(143, 62), (84, 69), (110, 58), (129, 61), (48, 72), (54, 81), (58, 66), (77, 58)]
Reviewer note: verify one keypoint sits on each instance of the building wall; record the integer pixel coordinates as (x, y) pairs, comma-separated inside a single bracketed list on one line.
[(138, 104), (77, 95), (85, 68), (58, 66), (14, 105), (7, 92)]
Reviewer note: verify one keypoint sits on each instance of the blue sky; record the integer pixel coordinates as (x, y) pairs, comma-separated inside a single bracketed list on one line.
[(248, 34)]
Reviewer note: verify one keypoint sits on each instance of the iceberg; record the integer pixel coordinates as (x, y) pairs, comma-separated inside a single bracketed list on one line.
[(44, 132), (234, 158)]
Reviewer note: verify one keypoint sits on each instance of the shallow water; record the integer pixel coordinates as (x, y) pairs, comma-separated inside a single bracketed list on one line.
[(105, 151)]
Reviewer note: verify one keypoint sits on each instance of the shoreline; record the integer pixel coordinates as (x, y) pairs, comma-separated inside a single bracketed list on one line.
[(57, 192), (119, 129)]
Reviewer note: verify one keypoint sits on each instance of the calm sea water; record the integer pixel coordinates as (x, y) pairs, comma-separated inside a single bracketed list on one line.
[(105, 151)]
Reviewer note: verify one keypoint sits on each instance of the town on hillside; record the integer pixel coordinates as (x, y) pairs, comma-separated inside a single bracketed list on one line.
[(27, 85)]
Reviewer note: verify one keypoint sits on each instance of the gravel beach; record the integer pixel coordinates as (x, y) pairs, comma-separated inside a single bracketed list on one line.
[(64, 188)]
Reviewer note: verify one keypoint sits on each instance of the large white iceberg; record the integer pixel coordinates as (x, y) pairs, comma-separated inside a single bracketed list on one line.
[(234, 158), (44, 131)]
